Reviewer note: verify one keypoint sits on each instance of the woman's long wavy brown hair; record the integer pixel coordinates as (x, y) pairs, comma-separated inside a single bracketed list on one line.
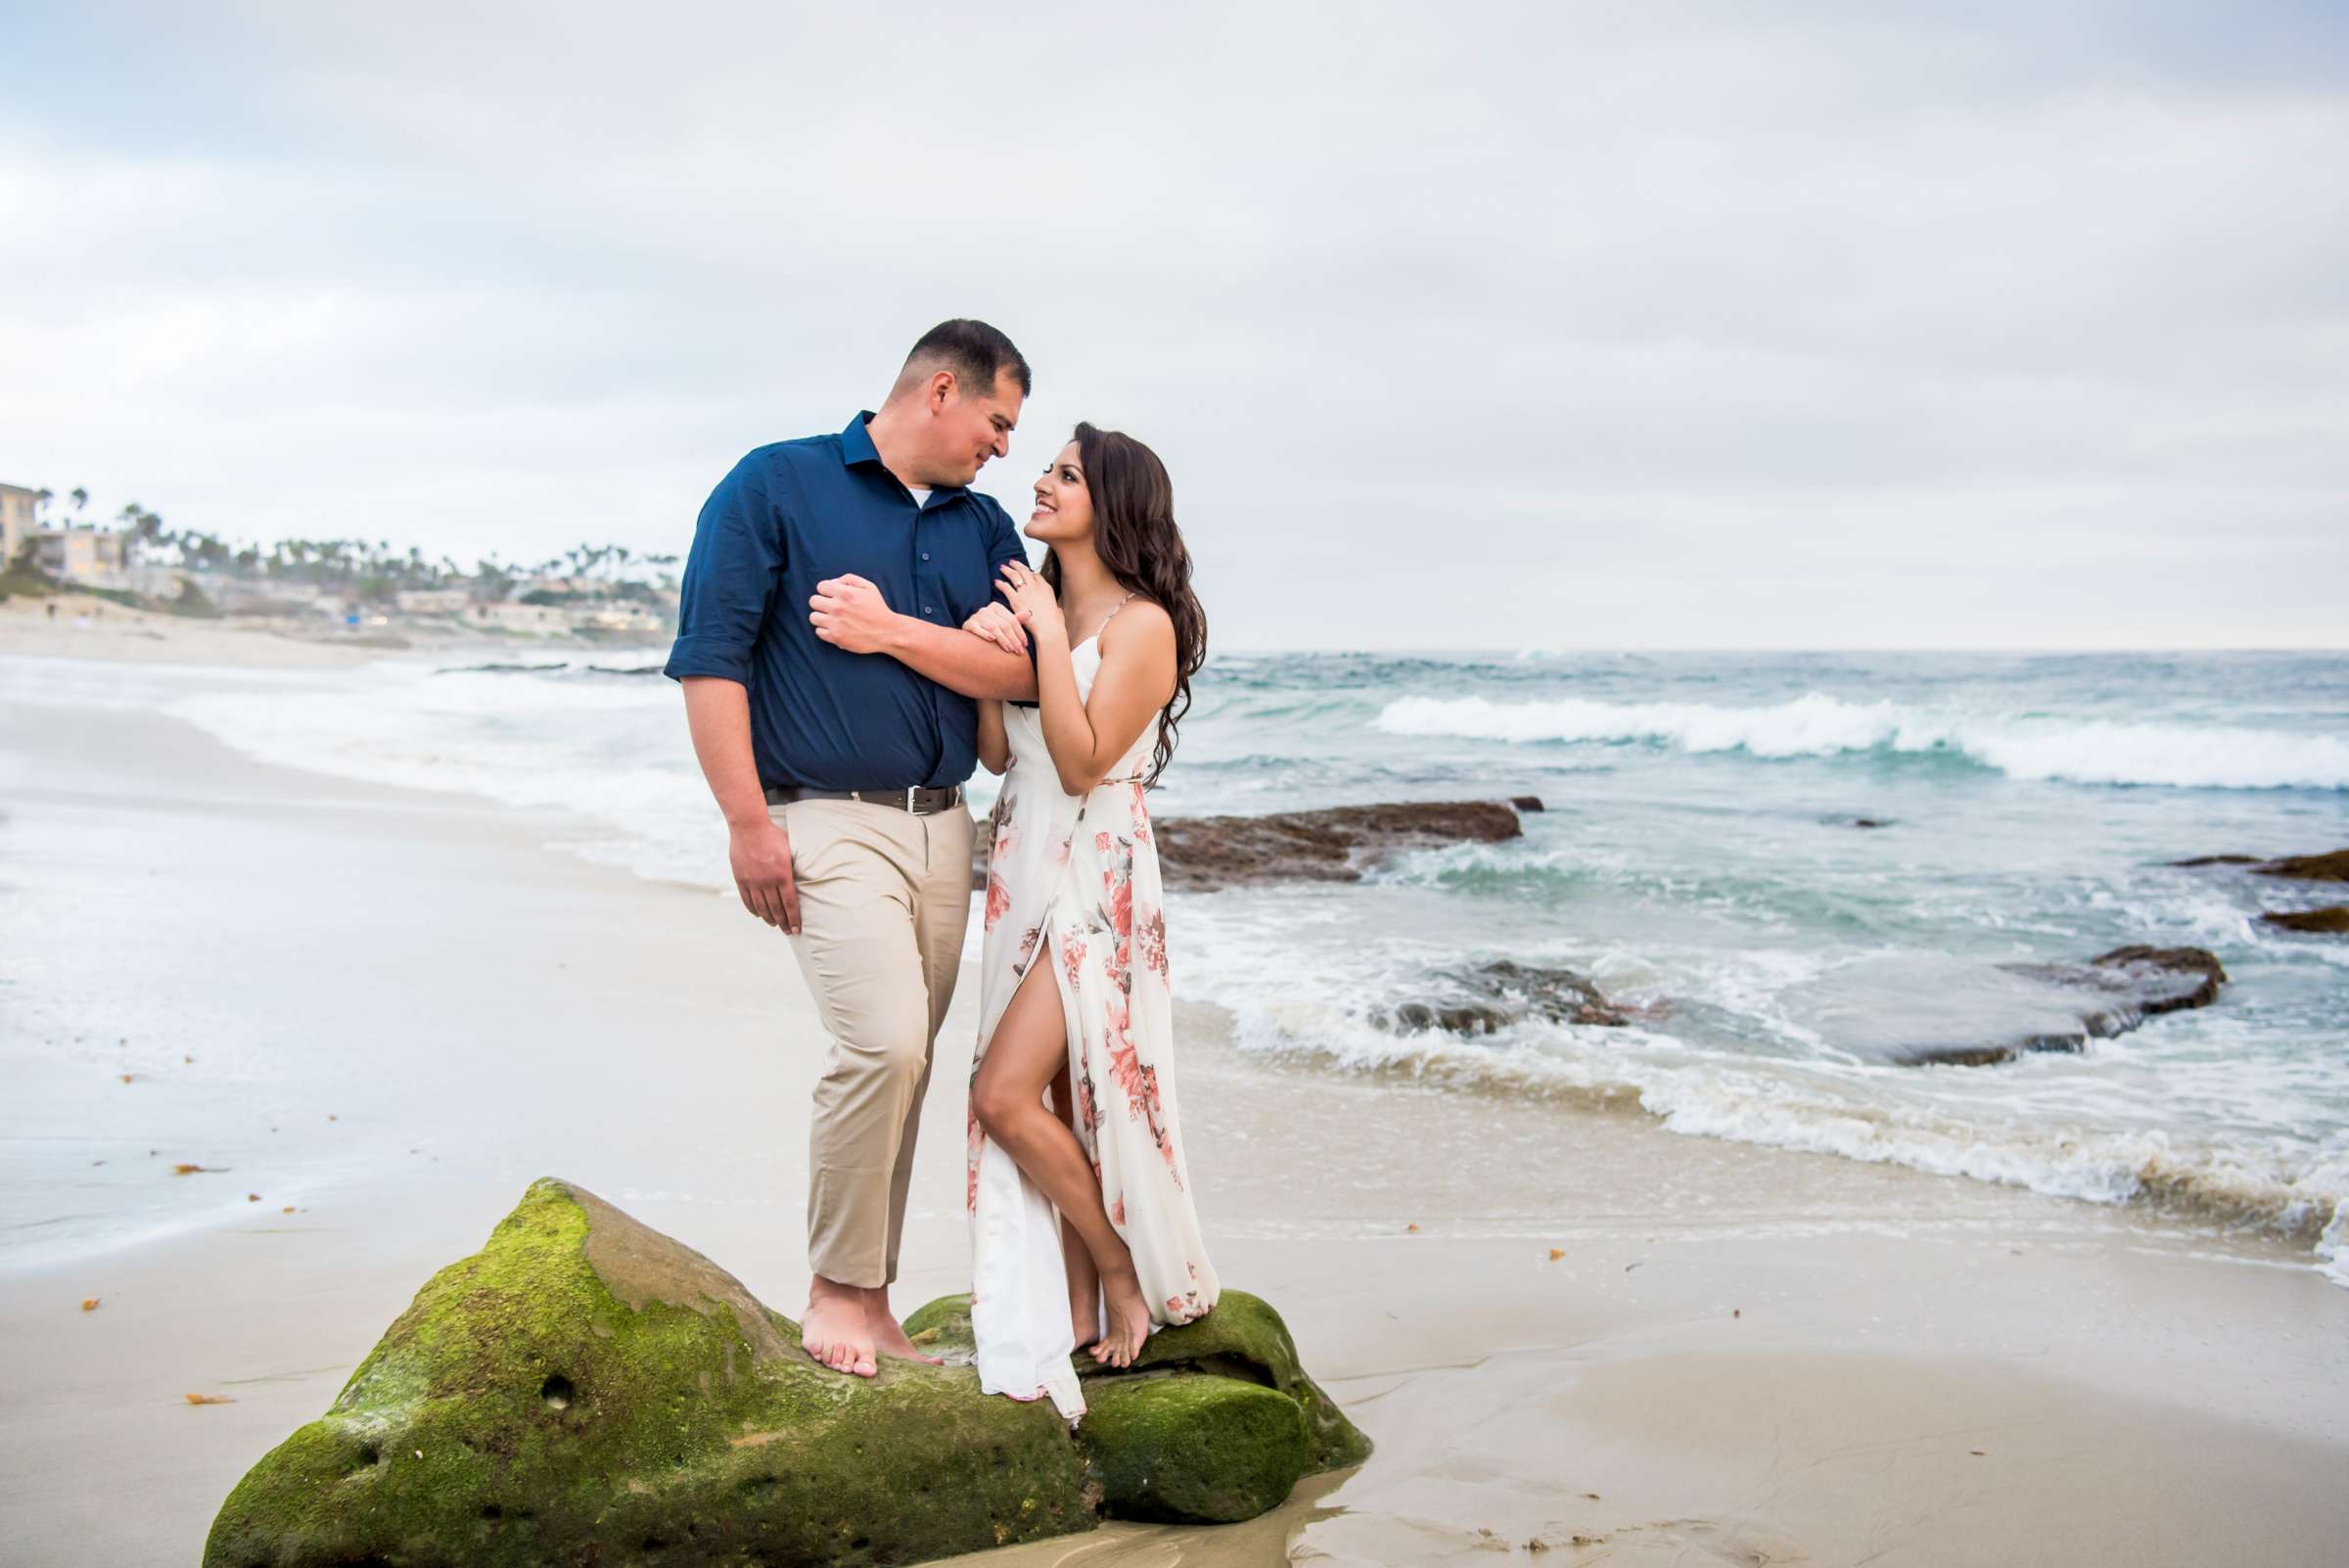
[(1136, 537)]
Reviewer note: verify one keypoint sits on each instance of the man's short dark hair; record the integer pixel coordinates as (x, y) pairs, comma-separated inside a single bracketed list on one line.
[(976, 353)]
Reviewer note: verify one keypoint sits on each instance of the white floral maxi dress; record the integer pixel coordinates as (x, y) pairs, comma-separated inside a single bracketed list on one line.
[(1073, 882)]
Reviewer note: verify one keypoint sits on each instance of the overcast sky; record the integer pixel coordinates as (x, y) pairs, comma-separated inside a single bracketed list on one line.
[(1553, 325)]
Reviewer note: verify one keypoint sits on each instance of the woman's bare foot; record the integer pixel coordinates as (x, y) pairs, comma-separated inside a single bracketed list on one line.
[(1084, 1288), (889, 1335), (1084, 1322), (1129, 1320)]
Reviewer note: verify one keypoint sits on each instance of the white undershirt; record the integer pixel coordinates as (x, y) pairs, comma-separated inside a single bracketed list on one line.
[(921, 498)]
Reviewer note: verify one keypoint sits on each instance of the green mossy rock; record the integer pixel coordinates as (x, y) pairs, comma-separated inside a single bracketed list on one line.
[(1243, 1338), (1193, 1449), (586, 1391)]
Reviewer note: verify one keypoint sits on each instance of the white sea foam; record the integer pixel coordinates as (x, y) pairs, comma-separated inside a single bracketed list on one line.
[(1704, 1094), (1815, 724)]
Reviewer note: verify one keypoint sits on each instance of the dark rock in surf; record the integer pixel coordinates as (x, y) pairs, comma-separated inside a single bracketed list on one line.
[(1490, 996), (499, 668), (2331, 920), (2329, 867), (2123, 989), (1334, 845), (2333, 868)]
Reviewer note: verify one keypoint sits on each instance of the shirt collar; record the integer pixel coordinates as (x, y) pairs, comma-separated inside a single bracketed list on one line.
[(856, 442), (857, 449)]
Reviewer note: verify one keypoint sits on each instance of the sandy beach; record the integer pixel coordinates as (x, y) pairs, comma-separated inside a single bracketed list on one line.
[(374, 1015)]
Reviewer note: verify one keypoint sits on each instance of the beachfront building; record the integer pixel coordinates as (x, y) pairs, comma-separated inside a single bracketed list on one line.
[(17, 521), (79, 555), (619, 615), (433, 601), (528, 619)]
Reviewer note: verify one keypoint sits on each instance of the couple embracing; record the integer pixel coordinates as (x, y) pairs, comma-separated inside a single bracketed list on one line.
[(858, 630)]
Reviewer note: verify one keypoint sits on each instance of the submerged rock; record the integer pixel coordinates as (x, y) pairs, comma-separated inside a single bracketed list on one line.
[(2331, 920), (2122, 988), (2332, 867), (584, 1390), (1490, 996), (1336, 845)]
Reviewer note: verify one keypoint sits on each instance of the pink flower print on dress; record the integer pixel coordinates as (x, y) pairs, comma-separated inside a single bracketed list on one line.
[(1141, 815), (1101, 844), (1028, 941), (1072, 958), (1007, 838), (1117, 1212), (1150, 943), (999, 902)]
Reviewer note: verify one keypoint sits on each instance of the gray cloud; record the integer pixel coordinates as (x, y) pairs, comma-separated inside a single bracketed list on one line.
[(1501, 325)]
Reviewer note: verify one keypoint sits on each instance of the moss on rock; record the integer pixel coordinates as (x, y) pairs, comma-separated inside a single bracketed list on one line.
[(584, 1390), (1193, 1449), (1243, 1338)]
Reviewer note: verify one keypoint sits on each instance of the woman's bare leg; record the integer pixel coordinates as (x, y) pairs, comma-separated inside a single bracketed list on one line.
[(1028, 1048), (1085, 1280)]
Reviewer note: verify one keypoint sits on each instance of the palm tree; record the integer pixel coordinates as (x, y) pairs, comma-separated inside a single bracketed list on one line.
[(81, 498), (41, 501)]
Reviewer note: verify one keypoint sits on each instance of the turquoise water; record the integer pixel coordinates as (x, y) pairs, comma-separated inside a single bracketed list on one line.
[(1697, 859)]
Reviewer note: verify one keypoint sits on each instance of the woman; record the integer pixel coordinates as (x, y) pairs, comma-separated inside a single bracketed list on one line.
[(1082, 1226)]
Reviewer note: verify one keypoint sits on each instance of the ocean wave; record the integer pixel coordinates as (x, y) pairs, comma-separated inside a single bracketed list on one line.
[(1702, 1094), (1815, 724)]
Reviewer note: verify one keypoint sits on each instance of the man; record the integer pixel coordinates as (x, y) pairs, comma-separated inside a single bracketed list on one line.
[(829, 688)]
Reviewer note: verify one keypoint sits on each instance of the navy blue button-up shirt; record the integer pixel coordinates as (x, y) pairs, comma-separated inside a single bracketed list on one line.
[(788, 517)]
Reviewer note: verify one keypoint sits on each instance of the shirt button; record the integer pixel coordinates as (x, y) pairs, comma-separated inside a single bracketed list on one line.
[(925, 555), (926, 610)]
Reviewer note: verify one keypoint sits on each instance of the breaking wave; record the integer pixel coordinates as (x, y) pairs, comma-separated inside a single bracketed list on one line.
[(1699, 1094), (2076, 750)]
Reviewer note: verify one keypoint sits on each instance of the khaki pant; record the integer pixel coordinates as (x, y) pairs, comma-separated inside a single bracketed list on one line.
[(883, 897)]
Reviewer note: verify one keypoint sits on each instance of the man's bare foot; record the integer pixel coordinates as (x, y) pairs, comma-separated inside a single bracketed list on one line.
[(1129, 1320), (889, 1335), (833, 1330)]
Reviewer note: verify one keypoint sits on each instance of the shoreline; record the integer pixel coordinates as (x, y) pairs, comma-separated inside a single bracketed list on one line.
[(1739, 1351)]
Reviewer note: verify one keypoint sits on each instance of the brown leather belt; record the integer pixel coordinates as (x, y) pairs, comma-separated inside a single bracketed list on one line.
[(920, 799)]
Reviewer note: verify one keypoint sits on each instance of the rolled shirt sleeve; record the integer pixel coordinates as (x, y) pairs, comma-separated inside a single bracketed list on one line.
[(731, 573)]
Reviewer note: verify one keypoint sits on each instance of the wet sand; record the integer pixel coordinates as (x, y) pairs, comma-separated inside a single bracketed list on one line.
[(1740, 1355)]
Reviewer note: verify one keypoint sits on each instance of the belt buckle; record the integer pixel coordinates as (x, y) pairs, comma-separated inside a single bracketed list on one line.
[(911, 790)]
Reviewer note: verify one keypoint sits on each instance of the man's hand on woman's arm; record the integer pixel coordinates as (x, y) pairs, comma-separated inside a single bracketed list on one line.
[(849, 612), (718, 713)]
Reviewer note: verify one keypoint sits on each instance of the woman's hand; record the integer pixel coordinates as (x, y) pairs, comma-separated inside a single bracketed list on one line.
[(1000, 625), (1031, 599)]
